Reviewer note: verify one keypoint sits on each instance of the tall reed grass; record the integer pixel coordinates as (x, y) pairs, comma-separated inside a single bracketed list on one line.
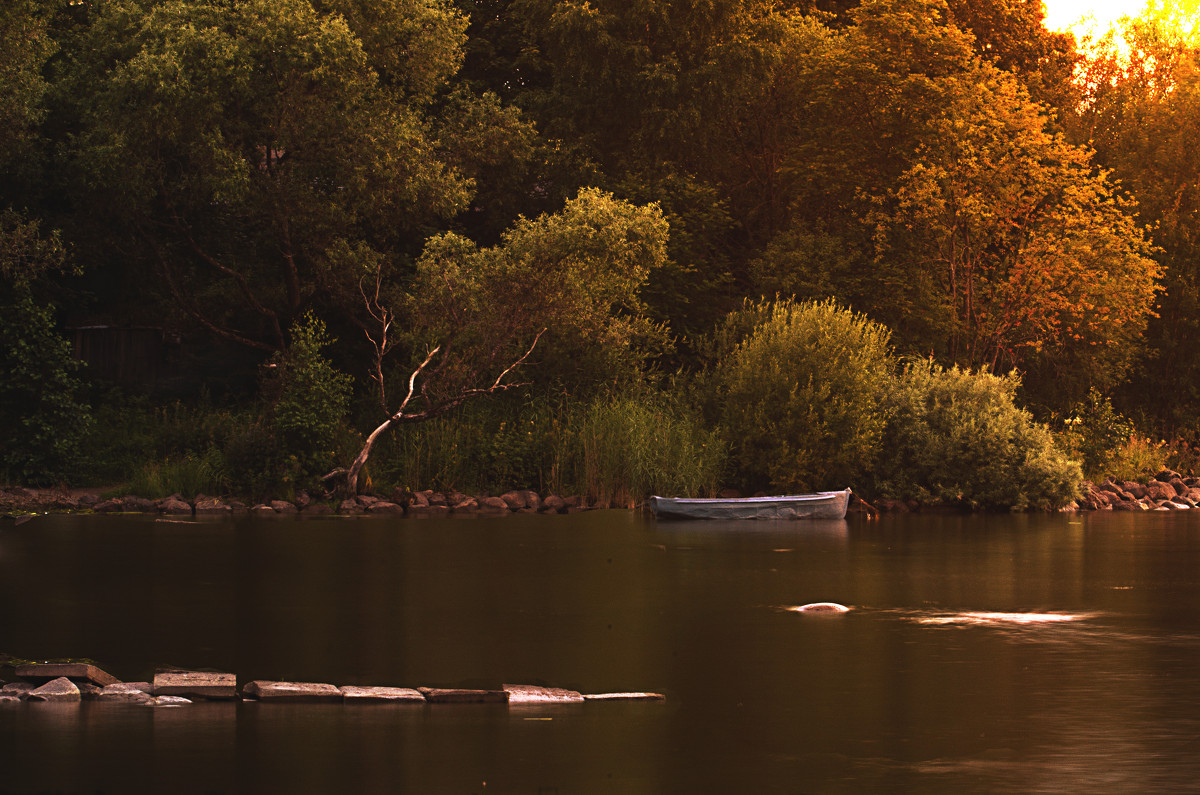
[(627, 447), (616, 449), (187, 476)]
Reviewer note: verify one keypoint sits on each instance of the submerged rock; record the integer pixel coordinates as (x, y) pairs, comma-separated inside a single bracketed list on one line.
[(821, 607), (19, 690), (124, 693), (167, 701)]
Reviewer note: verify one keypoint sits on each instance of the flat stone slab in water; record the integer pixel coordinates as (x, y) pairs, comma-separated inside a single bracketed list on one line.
[(44, 672), (265, 690), (391, 695), (440, 695), (60, 689), (530, 694), (199, 684), (625, 697)]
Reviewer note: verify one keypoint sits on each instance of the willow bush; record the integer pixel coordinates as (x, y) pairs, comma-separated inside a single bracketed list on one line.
[(801, 398), (957, 436)]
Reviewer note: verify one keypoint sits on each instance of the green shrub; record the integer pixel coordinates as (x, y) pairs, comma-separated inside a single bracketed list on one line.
[(957, 436), (43, 417), (1139, 458), (310, 404), (802, 397), (1096, 433)]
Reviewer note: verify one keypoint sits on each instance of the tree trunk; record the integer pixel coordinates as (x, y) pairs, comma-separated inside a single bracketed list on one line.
[(361, 460)]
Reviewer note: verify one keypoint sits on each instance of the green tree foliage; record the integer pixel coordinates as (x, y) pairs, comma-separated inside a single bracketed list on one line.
[(566, 286), (1141, 113), (802, 396), (43, 417), (957, 436), (1012, 35), (578, 273), (312, 399), (25, 47), (1096, 433), (919, 183), (241, 143)]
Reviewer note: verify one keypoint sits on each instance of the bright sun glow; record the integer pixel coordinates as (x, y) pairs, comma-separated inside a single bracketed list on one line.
[(1088, 17)]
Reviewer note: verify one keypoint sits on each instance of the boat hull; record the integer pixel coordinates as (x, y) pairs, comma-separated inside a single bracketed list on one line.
[(823, 505)]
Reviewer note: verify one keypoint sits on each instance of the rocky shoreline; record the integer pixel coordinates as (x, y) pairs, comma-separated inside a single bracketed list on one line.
[(16, 501), (1164, 491)]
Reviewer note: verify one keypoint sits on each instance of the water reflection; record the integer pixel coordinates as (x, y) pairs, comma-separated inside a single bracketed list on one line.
[(1009, 654)]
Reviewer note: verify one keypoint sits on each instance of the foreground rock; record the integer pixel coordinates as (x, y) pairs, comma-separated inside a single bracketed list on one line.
[(61, 689), (307, 692)]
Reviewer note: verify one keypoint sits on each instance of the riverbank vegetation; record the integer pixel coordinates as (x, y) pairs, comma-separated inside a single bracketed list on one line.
[(924, 248)]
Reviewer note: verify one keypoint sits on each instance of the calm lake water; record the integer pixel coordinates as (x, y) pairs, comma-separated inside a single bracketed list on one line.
[(995, 654)]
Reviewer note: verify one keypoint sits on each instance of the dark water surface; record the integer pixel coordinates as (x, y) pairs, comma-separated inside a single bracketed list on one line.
[(995, 654)]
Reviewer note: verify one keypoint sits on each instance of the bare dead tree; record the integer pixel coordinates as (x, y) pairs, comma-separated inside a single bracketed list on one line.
[(345, 480), (380, 341)]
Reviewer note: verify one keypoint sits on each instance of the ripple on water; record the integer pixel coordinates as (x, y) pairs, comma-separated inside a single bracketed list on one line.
[(989, 618)]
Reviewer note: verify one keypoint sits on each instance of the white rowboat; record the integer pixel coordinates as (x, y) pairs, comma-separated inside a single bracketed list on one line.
[(822, 505)]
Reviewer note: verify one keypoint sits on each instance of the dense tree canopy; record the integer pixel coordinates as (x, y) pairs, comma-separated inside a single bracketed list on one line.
[(1141, 113), (244, 144), (219, 168), (960, 221)]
